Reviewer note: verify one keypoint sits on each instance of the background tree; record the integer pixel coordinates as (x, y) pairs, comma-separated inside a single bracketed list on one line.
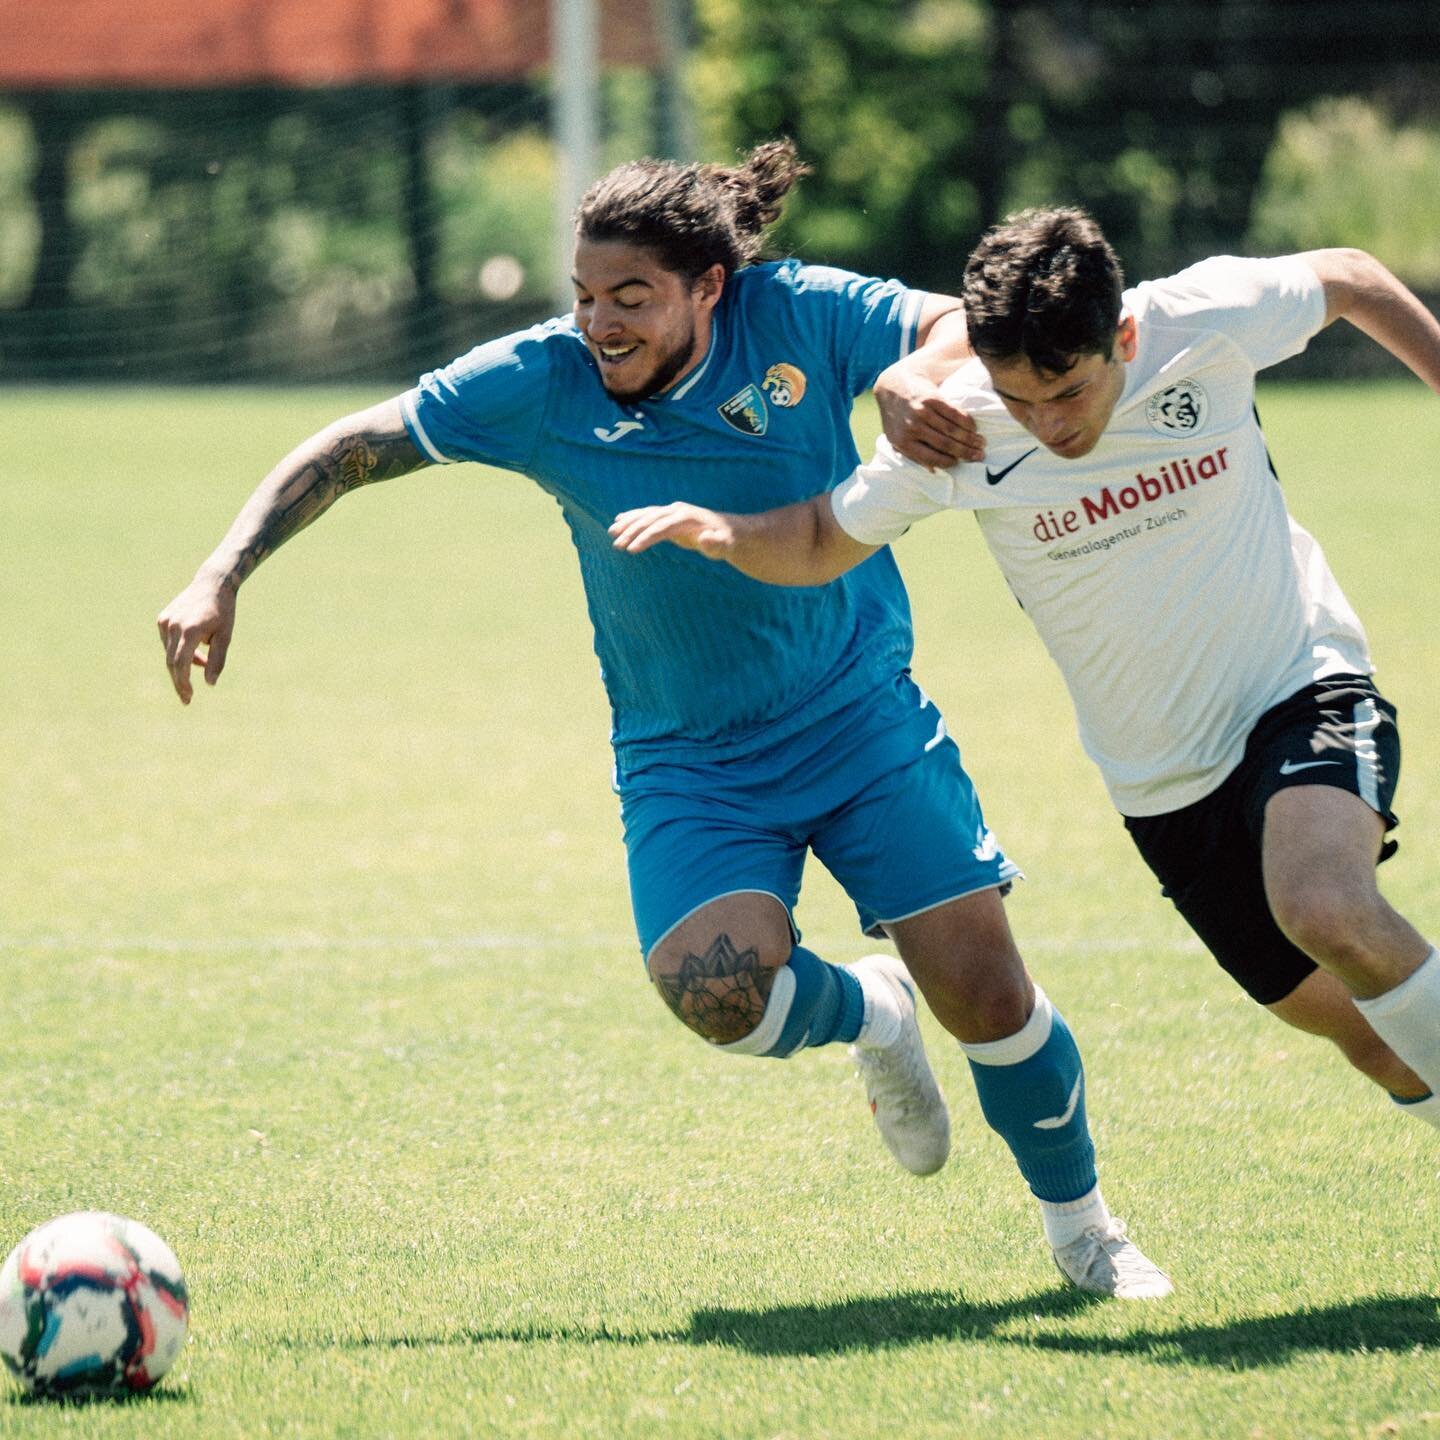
[(368, 232), (927, 121), (881, 99)]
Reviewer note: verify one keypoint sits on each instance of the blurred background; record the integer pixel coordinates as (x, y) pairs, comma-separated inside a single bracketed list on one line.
[(357, 190)]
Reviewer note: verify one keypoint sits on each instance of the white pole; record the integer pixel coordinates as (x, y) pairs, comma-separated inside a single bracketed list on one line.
[(675, 124), (575, 101)]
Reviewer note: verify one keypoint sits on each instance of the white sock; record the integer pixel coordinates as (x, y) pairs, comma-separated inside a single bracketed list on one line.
[(1015, 1049), (1427, 1109), (882, 1021), (1070, 1219), (1407, 1019)]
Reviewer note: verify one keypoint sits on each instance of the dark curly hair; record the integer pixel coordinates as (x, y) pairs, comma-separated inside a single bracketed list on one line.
[(693, 216), (1043, 285)]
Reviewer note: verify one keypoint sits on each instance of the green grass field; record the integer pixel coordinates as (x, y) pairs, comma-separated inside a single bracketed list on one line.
[(330, 980)]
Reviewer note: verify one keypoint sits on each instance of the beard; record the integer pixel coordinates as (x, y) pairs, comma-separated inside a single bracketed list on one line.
[(671, 363)]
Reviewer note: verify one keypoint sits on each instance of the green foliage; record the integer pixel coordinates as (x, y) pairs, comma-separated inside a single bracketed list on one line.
[(244, 234), (231, 234), (330, 979), (1135, 182), (878, 97), (1341, 173), (186, 225), (493, 191), (200, 233), (19, 233)]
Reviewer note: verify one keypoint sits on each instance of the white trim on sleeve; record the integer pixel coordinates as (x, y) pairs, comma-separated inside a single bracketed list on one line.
[(1315, 294), (837, 504), (847, 498), (910, 319), (412, 419)]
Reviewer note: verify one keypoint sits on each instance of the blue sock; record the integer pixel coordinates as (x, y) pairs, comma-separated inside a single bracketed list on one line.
[(828, 1004), (811, 1003), (1032, 1090)]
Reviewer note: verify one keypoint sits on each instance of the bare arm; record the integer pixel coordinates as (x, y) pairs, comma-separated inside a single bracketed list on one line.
[(941, 341), (1358, 288), (800, 544), (919, 424), (358, 450)]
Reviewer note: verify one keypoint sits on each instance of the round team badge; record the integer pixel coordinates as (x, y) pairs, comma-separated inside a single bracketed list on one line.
[(1180, 409), (785, 385)]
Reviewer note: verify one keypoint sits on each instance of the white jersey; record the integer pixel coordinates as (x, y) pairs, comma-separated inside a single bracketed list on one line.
[(1162, 570)]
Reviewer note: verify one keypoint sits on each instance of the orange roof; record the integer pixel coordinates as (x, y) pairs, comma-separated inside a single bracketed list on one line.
[(204, 43)]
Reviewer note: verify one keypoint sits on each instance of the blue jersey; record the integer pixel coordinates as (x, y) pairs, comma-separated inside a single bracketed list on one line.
[(700, 661)]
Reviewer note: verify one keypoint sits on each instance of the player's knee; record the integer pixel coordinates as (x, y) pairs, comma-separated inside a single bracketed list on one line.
[(1329, 923), (719, 990), (993, 1001)]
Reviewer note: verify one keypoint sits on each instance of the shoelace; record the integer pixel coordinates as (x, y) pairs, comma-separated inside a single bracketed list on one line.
[(893, 1073), (1099, 1241)]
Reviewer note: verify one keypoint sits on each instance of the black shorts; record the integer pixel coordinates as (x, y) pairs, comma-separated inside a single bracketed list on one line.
[(1339, 732)]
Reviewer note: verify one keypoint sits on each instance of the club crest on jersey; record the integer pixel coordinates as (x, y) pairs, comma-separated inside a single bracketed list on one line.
[(745, 411), (1180, 409), (784, 384)]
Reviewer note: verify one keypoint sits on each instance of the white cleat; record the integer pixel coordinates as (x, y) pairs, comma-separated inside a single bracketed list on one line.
[(1105, 1261), (906, 1102)]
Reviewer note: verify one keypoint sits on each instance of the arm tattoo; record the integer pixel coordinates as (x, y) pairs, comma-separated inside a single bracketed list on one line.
[(310, 480), (721, 994)]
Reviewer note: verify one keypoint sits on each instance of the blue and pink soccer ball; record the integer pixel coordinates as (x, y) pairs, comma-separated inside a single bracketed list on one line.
[(91, 1304)]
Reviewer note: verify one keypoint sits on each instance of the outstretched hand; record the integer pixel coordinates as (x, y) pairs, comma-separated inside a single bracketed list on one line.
[(692, 527), (921, 425), (202, 614)]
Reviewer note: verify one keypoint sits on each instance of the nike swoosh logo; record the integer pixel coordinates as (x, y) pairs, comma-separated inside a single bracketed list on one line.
[(994, 477), (1055, 1122), (1289, 767)]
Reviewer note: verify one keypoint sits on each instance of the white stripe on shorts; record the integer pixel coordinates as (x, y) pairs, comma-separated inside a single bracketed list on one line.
[(1367, 758)]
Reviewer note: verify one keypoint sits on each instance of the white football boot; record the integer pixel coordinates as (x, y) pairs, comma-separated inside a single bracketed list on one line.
[(906, 1102), (1105, 1261)]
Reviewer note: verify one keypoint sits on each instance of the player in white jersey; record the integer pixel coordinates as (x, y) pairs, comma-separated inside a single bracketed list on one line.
[(1220, 679)]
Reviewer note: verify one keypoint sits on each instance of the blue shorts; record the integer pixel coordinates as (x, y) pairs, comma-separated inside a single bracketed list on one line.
[(877, 791)]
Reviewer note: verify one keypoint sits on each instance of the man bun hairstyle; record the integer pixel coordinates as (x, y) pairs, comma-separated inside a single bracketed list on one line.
[(693, 216), (1044, 286)]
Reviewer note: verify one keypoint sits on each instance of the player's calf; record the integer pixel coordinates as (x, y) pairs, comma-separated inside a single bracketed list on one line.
[(1032, 1091), (1407, 1018), (1321, 1005)]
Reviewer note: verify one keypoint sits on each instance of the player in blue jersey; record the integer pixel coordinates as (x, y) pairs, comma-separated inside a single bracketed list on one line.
[(751, 724)]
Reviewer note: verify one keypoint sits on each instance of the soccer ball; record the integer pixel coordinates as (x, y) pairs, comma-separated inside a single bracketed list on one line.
[(91, 1304)]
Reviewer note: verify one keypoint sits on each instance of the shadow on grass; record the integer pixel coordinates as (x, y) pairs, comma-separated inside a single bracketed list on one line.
[(880, 1323), (865, 1324), (1394, 1323), (123, 1399)]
